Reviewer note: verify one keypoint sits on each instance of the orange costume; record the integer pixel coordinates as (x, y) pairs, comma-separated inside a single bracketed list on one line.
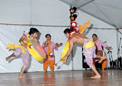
[(98, 44), (50, 55)]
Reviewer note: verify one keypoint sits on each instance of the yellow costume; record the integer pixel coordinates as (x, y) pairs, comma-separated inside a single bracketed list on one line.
[(89, 44), (13, 46)]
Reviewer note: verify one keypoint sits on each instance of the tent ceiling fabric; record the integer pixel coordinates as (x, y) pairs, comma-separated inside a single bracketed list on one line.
[(108, 11)]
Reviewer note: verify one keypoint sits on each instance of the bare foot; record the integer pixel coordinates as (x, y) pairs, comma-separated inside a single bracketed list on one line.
[(8, 58), (52, 71), (103, 71), (103, 58), (45, 71), (96, 76), (21, 77)]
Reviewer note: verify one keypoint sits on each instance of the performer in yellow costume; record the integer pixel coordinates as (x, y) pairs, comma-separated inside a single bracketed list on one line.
[(22, 49)]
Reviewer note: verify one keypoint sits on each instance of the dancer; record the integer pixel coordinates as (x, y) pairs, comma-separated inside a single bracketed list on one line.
[(22, 49), (88, 49), (49, 47)]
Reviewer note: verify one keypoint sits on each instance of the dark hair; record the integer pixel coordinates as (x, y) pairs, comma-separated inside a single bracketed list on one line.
[(71, 28), (47, 35), (67, 30), (94, 35), (33, 30)]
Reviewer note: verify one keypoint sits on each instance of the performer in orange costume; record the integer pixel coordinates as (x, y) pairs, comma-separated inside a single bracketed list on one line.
[(49, 47)]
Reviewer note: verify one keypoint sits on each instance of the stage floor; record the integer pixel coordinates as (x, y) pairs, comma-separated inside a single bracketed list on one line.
[(63, 78)]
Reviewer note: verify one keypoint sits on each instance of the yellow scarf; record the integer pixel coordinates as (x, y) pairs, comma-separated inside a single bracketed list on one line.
[(13, 46), (49, 50), (95, 41)]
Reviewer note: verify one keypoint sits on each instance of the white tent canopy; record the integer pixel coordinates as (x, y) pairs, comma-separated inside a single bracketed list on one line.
[(108, 11)]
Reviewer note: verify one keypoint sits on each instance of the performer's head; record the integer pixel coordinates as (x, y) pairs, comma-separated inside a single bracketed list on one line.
[(48, 37), (33, 32), (67, 32), (94, 37)]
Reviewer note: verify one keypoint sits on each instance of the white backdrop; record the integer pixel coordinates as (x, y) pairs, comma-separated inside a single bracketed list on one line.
[(12, 34), (45, 12)]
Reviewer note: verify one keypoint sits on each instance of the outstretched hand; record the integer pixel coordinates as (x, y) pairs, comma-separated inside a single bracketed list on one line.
[(109, 47), (58, 45)]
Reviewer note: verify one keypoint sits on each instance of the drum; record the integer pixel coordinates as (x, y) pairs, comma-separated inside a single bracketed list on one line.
[(36, 50)]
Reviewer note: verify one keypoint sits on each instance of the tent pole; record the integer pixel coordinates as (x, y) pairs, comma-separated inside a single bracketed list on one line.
[(72, 50), (118, 50), (117, 43)]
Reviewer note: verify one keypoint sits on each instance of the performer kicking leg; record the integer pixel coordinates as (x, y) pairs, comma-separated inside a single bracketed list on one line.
[(25, 58), (22, 49)]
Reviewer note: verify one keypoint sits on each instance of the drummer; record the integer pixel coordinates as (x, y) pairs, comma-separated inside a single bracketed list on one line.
[(23, 52), (99, 44)]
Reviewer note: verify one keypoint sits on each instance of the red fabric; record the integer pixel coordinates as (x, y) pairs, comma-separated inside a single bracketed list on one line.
[(74, 30)]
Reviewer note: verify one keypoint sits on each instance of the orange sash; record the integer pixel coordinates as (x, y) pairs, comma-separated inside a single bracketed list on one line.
[(95, 41), (49, 50)]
